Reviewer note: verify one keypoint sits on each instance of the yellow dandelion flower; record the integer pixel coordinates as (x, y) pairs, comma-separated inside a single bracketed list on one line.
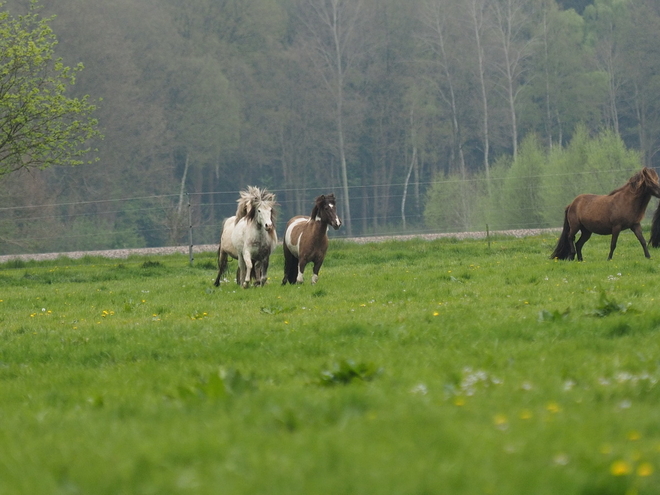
[(645, 469), (620, 468), (459, 401), (500, 420), (553, 407), (525, 414), (435, 313), (634, 435)]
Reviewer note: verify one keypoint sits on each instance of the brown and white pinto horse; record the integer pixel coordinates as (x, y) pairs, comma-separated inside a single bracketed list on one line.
[(306, 239)]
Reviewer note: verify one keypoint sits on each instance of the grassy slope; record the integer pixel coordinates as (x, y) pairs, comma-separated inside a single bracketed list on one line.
[(449, 367)]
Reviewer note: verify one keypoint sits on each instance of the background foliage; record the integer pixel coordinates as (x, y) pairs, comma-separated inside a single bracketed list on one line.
[(209, 96)]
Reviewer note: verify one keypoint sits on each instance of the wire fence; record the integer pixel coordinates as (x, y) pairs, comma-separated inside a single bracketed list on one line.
[(162, 220)]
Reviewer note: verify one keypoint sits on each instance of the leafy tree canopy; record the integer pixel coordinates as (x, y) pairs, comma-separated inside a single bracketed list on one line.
[(40, 125)]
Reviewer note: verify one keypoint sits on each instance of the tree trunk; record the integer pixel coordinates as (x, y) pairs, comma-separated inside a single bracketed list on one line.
[(183, 185), (410, 169), (340, 118), (477, 21)]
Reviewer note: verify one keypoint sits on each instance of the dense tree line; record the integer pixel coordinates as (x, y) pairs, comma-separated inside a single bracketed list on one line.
[(376, 100)]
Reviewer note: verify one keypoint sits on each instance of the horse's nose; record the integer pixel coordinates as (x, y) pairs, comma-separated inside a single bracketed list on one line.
[(337, 224)]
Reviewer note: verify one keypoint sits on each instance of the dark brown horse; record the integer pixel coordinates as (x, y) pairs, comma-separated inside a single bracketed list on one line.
[(621, 209), (306, 239), (654, 241)]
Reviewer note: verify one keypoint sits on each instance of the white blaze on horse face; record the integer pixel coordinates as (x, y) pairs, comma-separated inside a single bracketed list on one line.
[(337, 223)]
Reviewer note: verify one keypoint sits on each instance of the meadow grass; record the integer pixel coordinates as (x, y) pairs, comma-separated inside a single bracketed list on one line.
[(411, 367)]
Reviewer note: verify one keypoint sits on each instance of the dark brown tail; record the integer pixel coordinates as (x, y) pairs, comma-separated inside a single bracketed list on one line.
[(654, 241), (563, 249), (290, 266)]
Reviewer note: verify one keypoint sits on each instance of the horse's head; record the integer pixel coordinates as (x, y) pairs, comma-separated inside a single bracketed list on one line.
[(264, 216), (259, 206), (650, 181), (325, 209)]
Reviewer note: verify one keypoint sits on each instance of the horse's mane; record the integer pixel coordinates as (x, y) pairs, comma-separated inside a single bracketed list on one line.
[(250, 200), (638, 181)]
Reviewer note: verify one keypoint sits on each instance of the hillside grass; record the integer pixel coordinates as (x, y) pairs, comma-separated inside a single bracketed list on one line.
[(411, 367)]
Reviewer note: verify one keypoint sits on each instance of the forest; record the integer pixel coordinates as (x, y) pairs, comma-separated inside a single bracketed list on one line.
[(423, 115)]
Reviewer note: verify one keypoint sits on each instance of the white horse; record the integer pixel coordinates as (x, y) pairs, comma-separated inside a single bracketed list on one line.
[(253, 235), (249, 200)]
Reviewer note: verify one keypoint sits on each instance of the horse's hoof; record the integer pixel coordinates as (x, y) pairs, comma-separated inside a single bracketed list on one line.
[(315, 278)]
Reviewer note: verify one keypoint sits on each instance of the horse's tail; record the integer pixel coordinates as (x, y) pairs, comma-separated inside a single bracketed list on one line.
[(655, 229), (290, 266), (563, 249), (222, 265)]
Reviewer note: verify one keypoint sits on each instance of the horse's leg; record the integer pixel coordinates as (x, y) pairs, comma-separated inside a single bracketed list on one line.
[(637, 229), (247, 274), (257, 270), (302, 262), (584, 237), (616, 230), (243, 270), (264, 271), (317, 268)]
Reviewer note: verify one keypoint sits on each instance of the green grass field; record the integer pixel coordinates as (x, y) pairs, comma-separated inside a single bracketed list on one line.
[(418, 367)]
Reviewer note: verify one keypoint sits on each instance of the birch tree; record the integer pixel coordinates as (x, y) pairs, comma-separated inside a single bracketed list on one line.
[(334, 47), (512, 27)]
